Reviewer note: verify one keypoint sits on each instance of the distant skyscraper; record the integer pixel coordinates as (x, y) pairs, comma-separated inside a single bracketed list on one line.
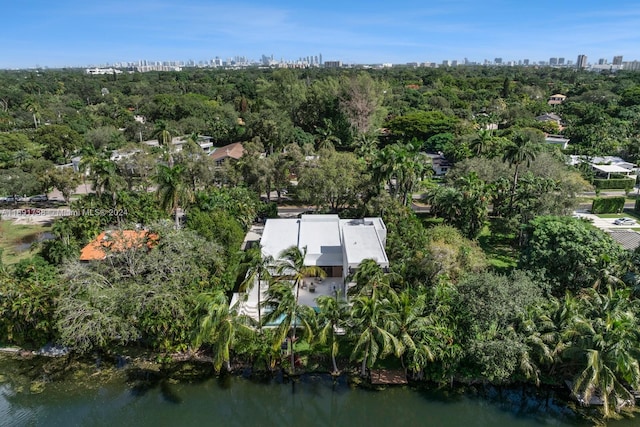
[(553, 61), (320, 57), (560, 61), (617, 60), (498, 60), (581, 62), (602, 61), (526, 62)]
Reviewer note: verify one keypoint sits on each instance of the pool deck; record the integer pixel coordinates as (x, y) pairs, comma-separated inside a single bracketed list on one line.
[(310, 290)]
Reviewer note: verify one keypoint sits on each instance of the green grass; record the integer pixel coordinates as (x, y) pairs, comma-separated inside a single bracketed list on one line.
[(12, 236), (626, 213), (498, 248)]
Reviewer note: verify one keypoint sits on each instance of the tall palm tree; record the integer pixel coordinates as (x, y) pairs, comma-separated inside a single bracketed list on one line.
[(281, 306), (413, 330), (32, 106), (370, 280), (523, 150), (400, 167), (258, 271), (163, 132), (173, 191), (291, 268), (331, 317), (373, 321), (481, 142), (605, 340), (106, 179), (218, 326)]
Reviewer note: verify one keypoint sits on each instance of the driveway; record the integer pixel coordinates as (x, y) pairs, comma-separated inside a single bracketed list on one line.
[(602, 223)]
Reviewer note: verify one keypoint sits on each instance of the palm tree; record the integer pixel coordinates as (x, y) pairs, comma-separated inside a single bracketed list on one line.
[(291, 268), (522, 150), (163, 132), (401, 167), (370, 280), (373, 321), (413, 330), (330, 318), (106, 179), (367, 147), (281, 307), (172, 190), (218, 326), (32, 106), (605, 340), (259, 270), (480, 144)]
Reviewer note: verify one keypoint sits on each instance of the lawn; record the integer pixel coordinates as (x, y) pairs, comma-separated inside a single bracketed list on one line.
[(626, 213), (16, 240), (498, 248)]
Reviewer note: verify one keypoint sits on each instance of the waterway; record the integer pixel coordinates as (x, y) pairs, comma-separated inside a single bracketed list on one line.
[(91, 398)]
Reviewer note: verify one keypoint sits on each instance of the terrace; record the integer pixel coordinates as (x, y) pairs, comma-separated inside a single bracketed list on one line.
[(310, 290)]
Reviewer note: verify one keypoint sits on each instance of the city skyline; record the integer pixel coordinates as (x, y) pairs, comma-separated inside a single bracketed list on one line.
[(70, 33)]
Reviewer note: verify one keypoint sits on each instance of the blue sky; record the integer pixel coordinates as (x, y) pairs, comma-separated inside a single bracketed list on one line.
[(78, 33)]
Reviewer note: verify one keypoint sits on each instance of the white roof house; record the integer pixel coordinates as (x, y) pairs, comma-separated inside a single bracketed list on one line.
[(559, 140), (336, 245), (331, 242), (606, 165), (178, 141)]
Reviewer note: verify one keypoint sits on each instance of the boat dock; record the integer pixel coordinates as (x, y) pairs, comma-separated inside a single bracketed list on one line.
[(388, 376)]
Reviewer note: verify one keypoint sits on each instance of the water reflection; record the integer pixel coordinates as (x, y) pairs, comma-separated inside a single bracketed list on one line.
[(147, 398)]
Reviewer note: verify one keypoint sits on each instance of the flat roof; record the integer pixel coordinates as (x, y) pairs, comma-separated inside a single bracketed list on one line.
[(321, 235), (279, 234), (363, 242), (611, 168), (324, 236)]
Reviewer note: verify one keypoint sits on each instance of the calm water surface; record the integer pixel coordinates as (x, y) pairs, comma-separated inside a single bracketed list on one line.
[(235, 401)]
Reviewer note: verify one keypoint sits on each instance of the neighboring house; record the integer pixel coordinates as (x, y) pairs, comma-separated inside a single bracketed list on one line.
[(557, 140), (439, 164), (606, 165), (556, 99), (550, 117), (338, 246), (177, 142), (75, 164), (231, 151), (116, 240), (118, 155)]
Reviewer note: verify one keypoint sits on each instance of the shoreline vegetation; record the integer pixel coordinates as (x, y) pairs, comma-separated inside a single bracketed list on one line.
[(142, 373), (495, 284)]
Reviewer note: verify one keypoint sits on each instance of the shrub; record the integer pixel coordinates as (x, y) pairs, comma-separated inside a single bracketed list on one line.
[(614, 184), (607, 205)]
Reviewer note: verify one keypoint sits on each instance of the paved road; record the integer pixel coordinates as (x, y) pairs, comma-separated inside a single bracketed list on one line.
[(602, 223)]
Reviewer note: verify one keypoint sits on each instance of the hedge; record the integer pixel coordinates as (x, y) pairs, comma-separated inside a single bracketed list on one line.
[(607, 205), (614, 184)]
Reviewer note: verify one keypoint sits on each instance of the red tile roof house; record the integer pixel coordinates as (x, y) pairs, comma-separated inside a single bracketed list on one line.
[(116, 241)]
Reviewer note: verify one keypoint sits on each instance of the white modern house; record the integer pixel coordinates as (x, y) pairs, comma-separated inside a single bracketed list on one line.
[(177, 142), (607, 165), (558, 140), (338, 246)]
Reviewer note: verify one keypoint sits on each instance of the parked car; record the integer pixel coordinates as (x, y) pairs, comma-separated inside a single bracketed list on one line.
[(39, 198), (625, 221)]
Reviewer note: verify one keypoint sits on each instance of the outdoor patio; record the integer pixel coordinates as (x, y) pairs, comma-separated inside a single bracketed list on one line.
[(311, 289)]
